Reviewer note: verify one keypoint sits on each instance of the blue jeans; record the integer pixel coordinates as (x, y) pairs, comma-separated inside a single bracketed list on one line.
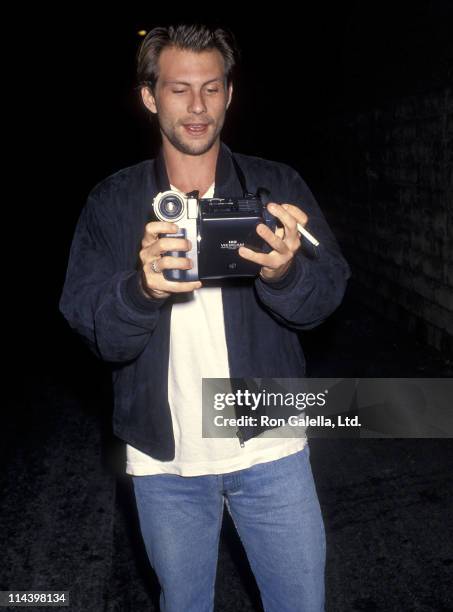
[(275, 509)]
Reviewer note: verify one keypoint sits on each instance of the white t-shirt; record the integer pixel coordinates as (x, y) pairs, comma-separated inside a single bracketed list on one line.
[(198, 350)]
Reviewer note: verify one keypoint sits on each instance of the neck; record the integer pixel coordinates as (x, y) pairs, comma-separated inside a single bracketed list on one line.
[(190, 172)]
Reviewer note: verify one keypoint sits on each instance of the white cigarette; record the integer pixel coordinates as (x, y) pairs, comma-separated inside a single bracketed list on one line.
[(308, 236)]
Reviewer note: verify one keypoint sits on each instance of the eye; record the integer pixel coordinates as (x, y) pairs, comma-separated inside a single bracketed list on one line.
[(178, 91), (212, 90)]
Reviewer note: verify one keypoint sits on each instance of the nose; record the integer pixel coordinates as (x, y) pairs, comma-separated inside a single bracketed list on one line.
[(197, 103)]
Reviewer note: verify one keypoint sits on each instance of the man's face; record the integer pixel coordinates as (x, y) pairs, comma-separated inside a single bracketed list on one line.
[(190, 90)]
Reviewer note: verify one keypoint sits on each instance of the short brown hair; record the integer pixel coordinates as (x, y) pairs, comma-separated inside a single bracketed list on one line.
[(193, 37)]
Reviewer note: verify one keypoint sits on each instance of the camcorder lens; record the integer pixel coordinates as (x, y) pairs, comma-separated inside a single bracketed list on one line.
[(170, 207)]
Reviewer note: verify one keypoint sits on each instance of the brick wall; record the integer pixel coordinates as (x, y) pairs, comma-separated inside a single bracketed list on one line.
[(389, 172)]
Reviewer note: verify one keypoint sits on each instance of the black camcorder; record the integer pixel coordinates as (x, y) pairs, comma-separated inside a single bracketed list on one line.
[(216, 227)]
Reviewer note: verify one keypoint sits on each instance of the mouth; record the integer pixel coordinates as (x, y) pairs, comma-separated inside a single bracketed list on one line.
[(196, 128)]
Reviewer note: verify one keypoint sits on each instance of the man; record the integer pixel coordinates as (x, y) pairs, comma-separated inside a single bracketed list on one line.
[(163, 337)]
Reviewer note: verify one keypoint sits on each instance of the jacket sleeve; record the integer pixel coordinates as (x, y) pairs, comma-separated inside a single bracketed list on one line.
[(102, 301), (315, 282)]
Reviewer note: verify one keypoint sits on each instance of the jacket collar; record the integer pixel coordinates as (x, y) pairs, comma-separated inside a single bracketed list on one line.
[(226, 180)]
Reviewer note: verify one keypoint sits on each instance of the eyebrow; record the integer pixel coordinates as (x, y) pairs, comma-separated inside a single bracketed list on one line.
[(184, 82)]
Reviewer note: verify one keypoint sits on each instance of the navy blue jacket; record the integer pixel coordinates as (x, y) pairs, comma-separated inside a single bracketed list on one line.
[(103, 302)]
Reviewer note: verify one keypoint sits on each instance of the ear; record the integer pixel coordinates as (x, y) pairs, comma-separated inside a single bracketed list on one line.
[(148, 99), (230, 94)]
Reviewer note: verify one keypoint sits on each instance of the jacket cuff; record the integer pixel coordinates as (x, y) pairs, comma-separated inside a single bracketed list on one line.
[(134, 296), (287, 280)]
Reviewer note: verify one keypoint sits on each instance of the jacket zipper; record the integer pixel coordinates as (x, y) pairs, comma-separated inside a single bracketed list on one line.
[(241, 439)]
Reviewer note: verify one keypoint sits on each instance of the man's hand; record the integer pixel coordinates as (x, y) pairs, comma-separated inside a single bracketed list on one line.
[(153, 282), (285, 241)]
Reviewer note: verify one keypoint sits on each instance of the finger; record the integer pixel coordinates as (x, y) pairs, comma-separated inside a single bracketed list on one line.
[(168, 262), (147, 254), (288, 220), (174, 244), (273, 240), (167, 244), (180, 287), (292, 236), (280, 232), (154, 228), (270, 260), (299, 214)]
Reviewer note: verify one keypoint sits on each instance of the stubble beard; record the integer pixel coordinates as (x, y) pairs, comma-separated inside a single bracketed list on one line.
[(190, 148)]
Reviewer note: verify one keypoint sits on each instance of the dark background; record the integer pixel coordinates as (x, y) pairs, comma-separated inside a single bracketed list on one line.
[(301, 72), (316, 88)]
